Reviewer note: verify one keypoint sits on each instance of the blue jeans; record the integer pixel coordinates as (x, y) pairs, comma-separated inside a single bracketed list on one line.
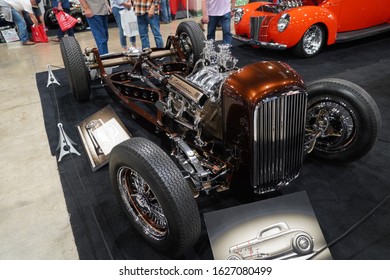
[(165, 11), (99, 28), (70, 31), (122, 38), (154, 22), (21, 24), (225, 24)]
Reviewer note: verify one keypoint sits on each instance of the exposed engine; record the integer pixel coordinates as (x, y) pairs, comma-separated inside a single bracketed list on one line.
[(191, 97), (290, 4), (194, 103)]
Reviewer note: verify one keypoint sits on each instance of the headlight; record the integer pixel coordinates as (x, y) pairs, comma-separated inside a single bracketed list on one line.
[(238, 15), (283, 22)]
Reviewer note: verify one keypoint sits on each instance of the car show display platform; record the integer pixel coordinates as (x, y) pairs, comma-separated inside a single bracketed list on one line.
[(340, 194)]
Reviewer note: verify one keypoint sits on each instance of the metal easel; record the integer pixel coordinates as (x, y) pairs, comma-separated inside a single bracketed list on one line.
[(65, 144)]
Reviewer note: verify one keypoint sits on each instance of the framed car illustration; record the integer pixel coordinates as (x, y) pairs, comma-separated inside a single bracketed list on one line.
[(307, 26), (274, 241)]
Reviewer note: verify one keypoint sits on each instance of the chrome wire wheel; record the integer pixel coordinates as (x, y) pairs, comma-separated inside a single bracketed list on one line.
[(313, 40), (337, 122), (142, 204), (344, 119), (154, 195)]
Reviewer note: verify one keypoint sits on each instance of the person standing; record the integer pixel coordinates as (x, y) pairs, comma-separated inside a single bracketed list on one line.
[(62, 5), (116, 7), (216, 12), (147, 14), (165, 12), (17, 7), (96, 12)]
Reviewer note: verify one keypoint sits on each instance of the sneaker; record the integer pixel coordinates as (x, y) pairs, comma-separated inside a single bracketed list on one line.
[(28, 43), (134, 51), (57, 40)]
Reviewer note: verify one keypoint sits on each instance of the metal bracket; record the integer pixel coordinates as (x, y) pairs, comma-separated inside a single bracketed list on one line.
[(65, 145)]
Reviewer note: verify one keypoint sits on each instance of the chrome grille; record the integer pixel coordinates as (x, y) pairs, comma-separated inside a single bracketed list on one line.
[(279, 130), (259, 28), (255, 27)]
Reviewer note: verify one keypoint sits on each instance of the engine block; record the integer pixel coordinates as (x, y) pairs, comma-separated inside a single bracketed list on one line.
[(188, 96)]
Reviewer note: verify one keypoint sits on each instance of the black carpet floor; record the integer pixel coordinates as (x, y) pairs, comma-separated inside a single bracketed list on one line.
[(341, 195)]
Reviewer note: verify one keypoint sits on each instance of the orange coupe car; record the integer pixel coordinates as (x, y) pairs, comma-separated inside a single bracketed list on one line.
[(307, 26)]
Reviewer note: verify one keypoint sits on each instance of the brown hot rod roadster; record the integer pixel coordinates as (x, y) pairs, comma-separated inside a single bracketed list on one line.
[(219, 120)]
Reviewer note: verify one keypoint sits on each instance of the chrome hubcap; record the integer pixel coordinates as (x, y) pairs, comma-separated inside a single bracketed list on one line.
[(312, 40)]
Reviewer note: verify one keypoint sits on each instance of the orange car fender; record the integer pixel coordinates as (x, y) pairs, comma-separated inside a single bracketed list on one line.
[(300, 21)]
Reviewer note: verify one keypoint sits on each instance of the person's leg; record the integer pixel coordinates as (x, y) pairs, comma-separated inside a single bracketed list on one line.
[(155, 26), (143, 30), (70, 32), (211, 27), (41, 17), (60, 34), (29, 23), (133, 41), (99, 28), (117, 16), (225, 24), (165, 15), (169, 11), (21, 24)]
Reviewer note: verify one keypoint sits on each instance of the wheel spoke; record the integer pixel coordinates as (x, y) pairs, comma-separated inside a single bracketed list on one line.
[(142, 203), (337, 123)]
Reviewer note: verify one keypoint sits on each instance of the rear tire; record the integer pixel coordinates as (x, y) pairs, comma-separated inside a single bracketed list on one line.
[(352, 116), (302, 244), (191, 40), (78, 73), (155, 196)]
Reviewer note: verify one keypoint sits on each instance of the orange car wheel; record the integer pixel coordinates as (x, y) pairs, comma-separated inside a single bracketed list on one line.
[(311, 42)]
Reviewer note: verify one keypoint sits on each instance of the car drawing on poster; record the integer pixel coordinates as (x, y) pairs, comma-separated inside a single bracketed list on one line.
[(274, 241), (307, 26)]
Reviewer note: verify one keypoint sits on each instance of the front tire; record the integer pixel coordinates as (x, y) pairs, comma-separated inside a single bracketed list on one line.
[(348, 117), (311, 42), (78, 73), (155, 196), (234, 257), (191, 40)]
